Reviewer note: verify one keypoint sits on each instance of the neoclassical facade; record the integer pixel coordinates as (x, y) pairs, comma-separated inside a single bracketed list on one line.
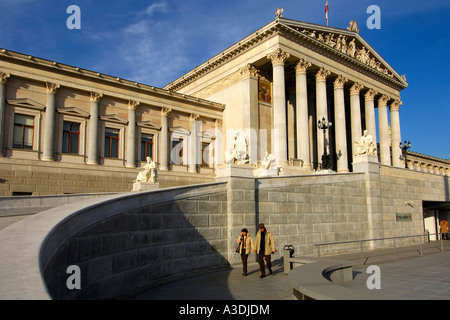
[(68, 130), (287, 76)]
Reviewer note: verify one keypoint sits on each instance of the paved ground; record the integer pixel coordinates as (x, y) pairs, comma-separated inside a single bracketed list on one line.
[(412, 277), (226, 285)]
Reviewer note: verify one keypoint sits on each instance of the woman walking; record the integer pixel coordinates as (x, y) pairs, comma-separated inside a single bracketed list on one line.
[(245, 242)]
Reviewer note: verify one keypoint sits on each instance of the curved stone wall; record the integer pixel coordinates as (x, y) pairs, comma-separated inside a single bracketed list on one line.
[(136, 241), (121, 243)]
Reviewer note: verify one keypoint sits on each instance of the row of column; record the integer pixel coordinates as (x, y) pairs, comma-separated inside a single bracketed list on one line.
[(278, 59), (48, 150)]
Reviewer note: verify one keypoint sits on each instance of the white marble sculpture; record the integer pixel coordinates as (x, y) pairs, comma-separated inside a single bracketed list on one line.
[(365, 145), (268, 161), (239, 153), (149, 174)]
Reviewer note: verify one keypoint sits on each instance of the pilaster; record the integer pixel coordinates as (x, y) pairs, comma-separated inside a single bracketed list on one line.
[(93, 128), (164, 150), (50, 122)]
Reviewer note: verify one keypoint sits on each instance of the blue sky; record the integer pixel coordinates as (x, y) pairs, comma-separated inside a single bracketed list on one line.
[(156, 41)]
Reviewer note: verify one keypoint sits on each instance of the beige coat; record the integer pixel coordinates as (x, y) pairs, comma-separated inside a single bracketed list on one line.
[(269, 241), (248, 244)]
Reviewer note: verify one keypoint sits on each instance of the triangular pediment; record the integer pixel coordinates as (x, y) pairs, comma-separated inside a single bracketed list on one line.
[(26, 103), (149, 125), (347, 43), (114, 118), (73, 111)]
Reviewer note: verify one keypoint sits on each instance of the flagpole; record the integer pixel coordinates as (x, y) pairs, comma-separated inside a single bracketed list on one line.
[(326, 12)]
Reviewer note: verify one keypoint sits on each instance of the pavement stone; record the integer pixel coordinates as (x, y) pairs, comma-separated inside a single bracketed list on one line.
[(411, 277)]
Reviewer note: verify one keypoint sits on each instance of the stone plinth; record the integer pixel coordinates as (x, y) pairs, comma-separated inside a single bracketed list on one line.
[(145, 186), (366, 163), (234, 170), (262, 172)]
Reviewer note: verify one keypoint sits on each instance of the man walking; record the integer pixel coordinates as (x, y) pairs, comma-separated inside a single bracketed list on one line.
[(265, 246)]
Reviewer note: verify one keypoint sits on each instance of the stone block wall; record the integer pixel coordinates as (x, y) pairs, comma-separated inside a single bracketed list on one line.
[(142, 247), (148, 238), (47, 178)]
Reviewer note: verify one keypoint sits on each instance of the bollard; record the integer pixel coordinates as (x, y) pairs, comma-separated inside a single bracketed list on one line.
[(287, 255)]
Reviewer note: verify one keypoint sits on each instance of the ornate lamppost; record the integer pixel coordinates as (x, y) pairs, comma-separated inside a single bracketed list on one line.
[(405, 147), (324, 125)]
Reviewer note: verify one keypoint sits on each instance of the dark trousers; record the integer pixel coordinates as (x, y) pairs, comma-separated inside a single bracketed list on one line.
[(261, 259), (244, 263)]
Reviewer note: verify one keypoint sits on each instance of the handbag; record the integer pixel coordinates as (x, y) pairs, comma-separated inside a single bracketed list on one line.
[(238, 248)]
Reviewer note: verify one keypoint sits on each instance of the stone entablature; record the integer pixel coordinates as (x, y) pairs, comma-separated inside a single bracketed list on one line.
[(424, 163)]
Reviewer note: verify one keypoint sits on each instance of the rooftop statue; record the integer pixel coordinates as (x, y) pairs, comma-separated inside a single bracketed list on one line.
[(279, 12)]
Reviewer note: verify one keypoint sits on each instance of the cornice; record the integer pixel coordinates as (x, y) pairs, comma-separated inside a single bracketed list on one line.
[(91, 76)]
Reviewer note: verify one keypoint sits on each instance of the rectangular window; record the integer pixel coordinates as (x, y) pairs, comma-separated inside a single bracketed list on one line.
[(111, 143), (146, 147), (23, 131), (71, 137), (205, 155), (177, 152)]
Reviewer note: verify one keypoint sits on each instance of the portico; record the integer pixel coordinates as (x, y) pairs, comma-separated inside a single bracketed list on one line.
[(305, 73)]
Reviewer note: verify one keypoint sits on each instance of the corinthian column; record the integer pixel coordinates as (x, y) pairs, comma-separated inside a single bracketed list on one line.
[(355, 115), (3, 79), (385, 155), (395, 134), (322, 109), (278, 57), (341, 136), (50, 122), (164, 149), (302, 112), (371, 126), (193, 144), (131, 134), (93, 129)]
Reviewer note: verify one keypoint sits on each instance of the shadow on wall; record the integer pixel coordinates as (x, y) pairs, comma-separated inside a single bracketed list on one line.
[(140, 248)]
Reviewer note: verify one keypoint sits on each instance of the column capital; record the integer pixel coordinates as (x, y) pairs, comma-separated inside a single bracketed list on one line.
[(165, 112), (322, 74), (383, 100), (95, 96), (132, 104), (219, 123), (356, 88), (193, 117), (302, 66), (395, 106), (370, 95), (278, 57), (339, 82), (249, 71), (51, 87), (4, 77)]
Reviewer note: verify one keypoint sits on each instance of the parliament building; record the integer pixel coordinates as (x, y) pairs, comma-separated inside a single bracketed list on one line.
[(67, 130)]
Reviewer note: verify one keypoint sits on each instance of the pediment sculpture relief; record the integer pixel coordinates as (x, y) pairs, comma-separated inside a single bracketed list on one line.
[(343, 44)]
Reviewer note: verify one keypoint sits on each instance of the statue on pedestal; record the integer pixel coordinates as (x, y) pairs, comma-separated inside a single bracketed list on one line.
[(149, 174), (239, 153), (365, 145), (268, 161)]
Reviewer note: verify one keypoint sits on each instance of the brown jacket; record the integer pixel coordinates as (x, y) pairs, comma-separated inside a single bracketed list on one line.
[(269, 243), (248, 244)]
